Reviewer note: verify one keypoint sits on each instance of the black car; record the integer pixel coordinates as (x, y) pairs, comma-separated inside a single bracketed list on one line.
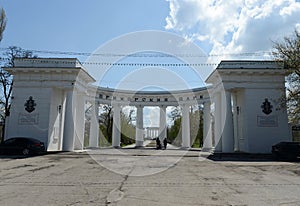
[(286, 150), (22, 145)]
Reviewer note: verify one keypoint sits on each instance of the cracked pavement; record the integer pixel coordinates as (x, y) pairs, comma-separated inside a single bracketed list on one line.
[(79, 179)]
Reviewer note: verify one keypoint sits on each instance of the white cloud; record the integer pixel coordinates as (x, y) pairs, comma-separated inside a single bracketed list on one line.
[(234, 26), (151, 117)]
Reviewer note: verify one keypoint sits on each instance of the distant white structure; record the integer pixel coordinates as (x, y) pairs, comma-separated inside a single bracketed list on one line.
[(152, 132), (241, 106)]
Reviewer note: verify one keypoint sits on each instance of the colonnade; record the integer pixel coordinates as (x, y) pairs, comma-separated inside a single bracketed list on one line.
[(160, 131), (221, 124), (222, 135), (139, 135), (152, 132), (225, 116)]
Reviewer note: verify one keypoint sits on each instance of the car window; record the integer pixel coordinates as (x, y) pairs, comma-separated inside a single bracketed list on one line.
[(10, 141), (22, 141), (34, 141)]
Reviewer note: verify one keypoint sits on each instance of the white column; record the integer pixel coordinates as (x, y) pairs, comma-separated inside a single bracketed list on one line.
[(186, 142), (68, 139), (235, 122), (218, 122), (162, 123), (227, 137), (139, 133), (116, 132), (94, 127), (207, 135), (79, 122)]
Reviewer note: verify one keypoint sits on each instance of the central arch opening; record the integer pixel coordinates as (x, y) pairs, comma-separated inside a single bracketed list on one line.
[(136, 119)]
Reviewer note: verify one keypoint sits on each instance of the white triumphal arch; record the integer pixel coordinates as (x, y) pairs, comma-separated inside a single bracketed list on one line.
[(241, 105)]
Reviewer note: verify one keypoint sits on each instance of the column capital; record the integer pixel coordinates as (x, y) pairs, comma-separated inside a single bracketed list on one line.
[(116, 104)]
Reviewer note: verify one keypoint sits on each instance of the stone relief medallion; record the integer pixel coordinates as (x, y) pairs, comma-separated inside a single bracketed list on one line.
[(30, 105), (266, 107)]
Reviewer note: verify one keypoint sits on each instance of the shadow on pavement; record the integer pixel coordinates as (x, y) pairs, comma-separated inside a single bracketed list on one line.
[(247, 157), (20, 156)]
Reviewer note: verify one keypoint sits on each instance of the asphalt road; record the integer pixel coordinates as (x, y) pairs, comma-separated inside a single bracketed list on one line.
[(146, 177)]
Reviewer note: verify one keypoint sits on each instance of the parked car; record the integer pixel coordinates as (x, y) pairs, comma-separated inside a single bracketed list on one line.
[(286, 150), (22, 145)]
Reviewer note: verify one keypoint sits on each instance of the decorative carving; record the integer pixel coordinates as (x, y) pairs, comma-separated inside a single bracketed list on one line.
[(30, 105), (266, 107)]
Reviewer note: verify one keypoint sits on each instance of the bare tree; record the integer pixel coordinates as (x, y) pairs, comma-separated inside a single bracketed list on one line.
[(288, 51), (3, 21), (6, 79)]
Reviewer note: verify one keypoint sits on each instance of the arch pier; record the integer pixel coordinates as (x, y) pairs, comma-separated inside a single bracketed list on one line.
[(241, 106)]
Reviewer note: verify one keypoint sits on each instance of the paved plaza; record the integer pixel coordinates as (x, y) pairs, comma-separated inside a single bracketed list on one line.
[(146, 177)]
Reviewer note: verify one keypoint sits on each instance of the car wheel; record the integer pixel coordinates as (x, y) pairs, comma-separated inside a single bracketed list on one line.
[(25, 151)]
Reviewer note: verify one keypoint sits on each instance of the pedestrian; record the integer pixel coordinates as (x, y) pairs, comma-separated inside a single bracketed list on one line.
[(165, 143), (158, 144)]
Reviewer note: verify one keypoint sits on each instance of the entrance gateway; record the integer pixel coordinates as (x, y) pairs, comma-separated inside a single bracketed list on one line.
[(241, 105)]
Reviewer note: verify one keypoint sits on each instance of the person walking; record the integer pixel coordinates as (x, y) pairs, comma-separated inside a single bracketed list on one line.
[(165, 143)]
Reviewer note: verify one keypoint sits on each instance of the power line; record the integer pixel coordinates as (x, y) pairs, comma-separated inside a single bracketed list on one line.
[(137, 55), (150, 64), (146, 54), (137, 64), (129, 64)]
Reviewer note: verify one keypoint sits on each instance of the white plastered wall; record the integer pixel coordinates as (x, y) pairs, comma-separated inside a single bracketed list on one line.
[(19, 124), (260, 133), (56, 120)]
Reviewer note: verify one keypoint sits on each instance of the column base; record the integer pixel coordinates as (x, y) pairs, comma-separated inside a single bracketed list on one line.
[(139, 144), (185, 148), (116, 147), (206, 149)]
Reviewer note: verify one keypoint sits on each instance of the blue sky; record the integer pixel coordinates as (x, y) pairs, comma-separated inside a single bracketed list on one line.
[(216, 26), (77, 25), (219, 27), (80, 26)]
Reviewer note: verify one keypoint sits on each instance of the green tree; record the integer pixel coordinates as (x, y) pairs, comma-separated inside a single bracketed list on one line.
[(106, 121), (127, 129), (174, 132), (106, 124), (288, 51), (196, 128)]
